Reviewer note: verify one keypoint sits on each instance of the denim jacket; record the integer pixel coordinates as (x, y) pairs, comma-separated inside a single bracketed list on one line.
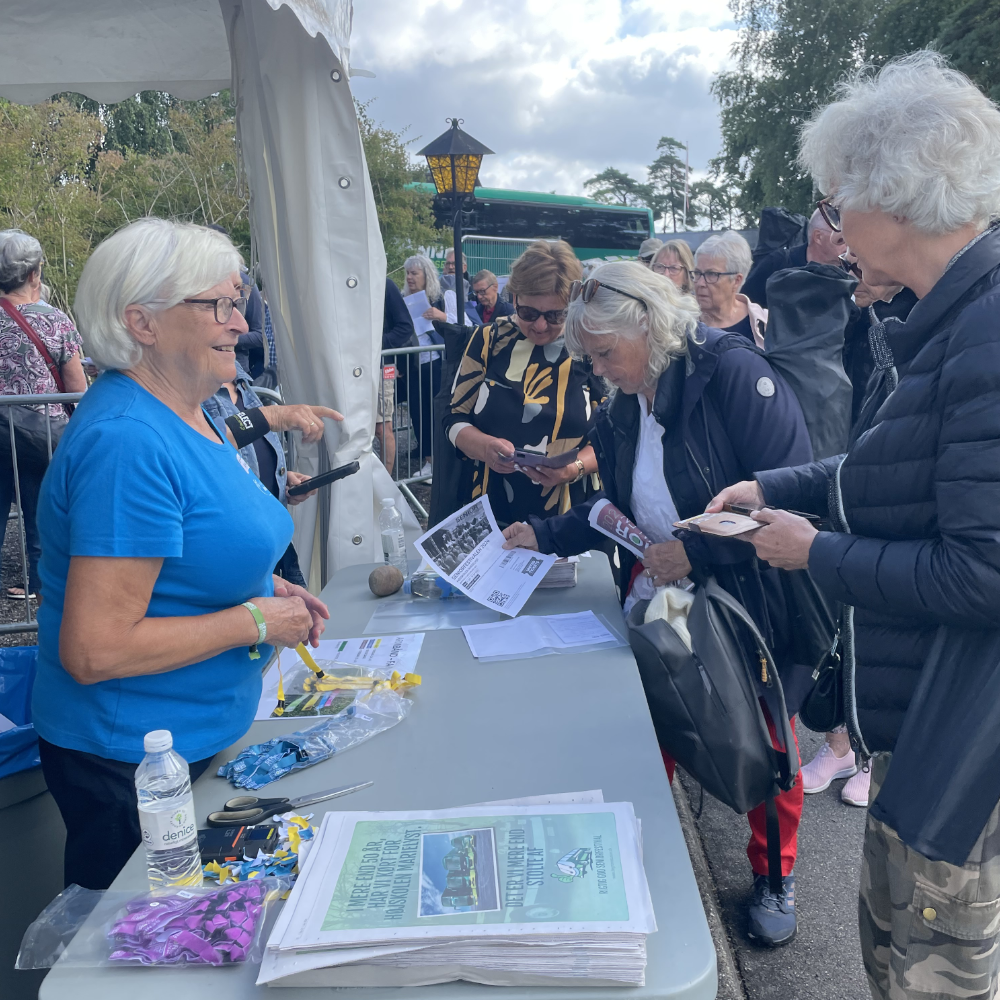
[(221, 406)]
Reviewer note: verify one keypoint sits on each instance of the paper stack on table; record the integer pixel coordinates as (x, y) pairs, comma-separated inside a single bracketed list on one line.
[(545, 895), (562, 573)]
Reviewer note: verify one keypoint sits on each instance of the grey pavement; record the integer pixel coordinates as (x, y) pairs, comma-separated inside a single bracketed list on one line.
[(824, 960)]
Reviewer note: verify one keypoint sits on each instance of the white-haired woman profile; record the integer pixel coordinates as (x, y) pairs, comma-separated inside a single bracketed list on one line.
[(695, 408), (910, 163), (29, 327), (157, 542), (721, 264)]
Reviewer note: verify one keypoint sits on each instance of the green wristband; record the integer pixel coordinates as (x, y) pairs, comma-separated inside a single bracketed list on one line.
[(261, 627)]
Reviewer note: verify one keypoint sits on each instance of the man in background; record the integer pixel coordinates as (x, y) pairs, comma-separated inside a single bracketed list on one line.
[(488, 306), (448, 275)]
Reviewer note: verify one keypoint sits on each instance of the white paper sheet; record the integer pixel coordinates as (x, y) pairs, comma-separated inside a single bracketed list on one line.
[(531, 633), (467, 550), (417, 304), (6, 724)]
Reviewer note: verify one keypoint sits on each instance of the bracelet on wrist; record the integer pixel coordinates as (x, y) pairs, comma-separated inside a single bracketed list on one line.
[(258, 617), (582, 470)]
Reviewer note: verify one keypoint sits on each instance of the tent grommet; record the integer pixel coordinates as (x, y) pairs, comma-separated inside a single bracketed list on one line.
[(344, 182), (335, 75), (352, 282), (357, 539), (357, 372)]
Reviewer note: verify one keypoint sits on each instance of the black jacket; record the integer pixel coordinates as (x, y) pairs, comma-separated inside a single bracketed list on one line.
[(921, 566), (251, 352), (397, 327), (718, 428), (755, 286), (501, 309)]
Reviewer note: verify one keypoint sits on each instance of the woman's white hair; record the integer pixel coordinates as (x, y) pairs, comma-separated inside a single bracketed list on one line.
[(153, 263), (918, 141), (732, 248), (432, 286), (667, 321), (20, 256)]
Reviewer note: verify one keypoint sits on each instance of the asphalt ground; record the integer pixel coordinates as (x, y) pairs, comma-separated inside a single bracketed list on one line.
[(824, 960), (13, 611)]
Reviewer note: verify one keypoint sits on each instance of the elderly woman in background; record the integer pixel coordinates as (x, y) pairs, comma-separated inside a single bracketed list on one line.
[(39, 353), (721, 264), (157, 543), (518, 388), (695, 408), (675, 261), (910, 161)]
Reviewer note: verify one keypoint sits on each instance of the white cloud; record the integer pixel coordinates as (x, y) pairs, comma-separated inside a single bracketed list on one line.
[(560, 89)]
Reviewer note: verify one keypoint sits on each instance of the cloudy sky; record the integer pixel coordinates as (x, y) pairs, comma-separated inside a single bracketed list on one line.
[(560, 89)]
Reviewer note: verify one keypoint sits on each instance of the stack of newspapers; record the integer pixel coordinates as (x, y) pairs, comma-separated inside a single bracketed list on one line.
[(527, 895), (562, 573)]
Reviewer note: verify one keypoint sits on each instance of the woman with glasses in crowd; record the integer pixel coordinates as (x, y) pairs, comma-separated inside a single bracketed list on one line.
[(158, 543), (721, 264), (674, 261), (695, 407), (518, 388)]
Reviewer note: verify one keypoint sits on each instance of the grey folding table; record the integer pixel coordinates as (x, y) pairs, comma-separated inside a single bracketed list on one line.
[(478, 732)]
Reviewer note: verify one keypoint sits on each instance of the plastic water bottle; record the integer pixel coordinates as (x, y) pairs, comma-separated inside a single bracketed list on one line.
[(390, 524), (166, 814), (431, 586)]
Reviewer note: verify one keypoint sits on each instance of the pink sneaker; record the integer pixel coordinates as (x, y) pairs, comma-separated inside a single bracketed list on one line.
[(855, 792), (825, 767)]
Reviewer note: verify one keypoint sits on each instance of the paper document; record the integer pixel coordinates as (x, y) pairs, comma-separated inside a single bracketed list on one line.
[(531, 633), (467, 550), (334, 656), (417, 304), (610, 521)]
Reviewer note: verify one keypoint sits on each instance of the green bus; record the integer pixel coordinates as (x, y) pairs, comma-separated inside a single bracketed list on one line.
[(516, 218)]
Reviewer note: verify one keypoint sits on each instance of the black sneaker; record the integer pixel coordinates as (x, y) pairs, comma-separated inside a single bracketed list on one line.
[(772, 918)]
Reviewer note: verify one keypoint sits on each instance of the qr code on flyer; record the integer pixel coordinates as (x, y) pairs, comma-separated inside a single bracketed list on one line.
[(498, 598)]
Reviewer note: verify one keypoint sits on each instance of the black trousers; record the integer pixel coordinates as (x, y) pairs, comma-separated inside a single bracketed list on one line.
[(97, 799)]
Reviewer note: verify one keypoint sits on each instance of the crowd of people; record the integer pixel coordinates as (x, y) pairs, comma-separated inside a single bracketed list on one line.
[(658, 383)]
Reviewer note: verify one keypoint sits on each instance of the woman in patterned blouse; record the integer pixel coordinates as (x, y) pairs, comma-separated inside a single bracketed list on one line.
[(518, 388), (23, 371)]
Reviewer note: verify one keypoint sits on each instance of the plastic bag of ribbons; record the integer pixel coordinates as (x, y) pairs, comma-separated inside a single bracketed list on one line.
[(380, 703)]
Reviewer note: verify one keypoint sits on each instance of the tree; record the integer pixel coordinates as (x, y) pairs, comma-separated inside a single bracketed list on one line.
[(668, 174), (613, 187), (970, 38), (405, 215), (906, 26)]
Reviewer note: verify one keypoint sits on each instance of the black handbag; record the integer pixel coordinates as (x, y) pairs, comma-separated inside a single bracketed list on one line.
[(32, 434), (705, 707)]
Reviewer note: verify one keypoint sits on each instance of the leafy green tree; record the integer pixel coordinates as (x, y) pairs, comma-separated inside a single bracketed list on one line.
[(667, 176), (905, 26), (970, 38), (614, 187)]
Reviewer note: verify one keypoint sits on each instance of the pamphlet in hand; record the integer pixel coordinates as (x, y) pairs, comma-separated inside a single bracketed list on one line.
[(610, 521), (417, 304), (467, 550)]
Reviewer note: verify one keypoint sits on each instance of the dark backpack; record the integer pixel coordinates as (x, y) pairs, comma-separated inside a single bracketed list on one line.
[(779, 229)]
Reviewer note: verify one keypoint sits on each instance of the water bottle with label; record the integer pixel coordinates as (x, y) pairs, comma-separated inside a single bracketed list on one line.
[(166, 814), (390, 523)]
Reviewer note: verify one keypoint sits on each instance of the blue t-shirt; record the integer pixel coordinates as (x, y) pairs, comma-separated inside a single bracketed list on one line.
[(131, 479)]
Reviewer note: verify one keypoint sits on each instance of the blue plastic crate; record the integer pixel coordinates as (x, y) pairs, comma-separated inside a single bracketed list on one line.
[(18, 746)]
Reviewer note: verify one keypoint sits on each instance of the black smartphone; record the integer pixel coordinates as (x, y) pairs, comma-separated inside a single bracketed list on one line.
[(739, 508), (324, 479)]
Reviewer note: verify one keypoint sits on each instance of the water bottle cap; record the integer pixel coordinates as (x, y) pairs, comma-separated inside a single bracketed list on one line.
[(158, 740), (388, 502)]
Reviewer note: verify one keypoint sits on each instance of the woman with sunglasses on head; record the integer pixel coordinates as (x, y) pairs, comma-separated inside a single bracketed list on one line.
[(675, 261), (518, 388), (694, 408), (158, 543), (721, 264)]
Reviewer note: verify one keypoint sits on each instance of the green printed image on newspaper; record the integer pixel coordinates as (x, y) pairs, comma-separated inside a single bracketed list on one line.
[(482, 870)]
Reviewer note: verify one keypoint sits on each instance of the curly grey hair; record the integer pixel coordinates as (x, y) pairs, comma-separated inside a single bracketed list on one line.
[(919, 141), (20, 256), (432, 284), (732, 248), (668, 320)]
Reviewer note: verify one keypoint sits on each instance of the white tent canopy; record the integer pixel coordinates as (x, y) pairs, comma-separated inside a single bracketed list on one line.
[(312, 210)]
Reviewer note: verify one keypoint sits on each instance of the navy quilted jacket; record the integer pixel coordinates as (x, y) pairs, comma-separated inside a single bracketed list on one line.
[(921, 565)]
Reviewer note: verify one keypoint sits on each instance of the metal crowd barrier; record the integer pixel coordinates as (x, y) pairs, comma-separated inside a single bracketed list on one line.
[(6, 402), (410, 379)]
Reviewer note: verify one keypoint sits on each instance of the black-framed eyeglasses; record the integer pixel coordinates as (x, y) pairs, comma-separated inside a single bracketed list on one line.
[(830, 213), (671, 268), (586, 290), (225, 304), (553, 317), (711, 277), (482, 291)]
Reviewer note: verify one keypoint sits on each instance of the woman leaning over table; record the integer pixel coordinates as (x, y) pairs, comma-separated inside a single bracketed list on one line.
[(910, 161), (694, 408), (155, 539), (518, 387)]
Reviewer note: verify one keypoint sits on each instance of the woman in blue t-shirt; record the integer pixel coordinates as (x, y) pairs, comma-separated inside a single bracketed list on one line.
[(157, 542)]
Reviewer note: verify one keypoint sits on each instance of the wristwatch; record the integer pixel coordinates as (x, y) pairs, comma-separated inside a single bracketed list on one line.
[(583, 470)]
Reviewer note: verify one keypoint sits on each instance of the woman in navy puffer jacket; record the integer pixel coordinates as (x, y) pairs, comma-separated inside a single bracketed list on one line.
[(911, 163)]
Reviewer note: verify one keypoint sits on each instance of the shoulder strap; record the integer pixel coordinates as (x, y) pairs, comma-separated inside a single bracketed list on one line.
[(11, 310)]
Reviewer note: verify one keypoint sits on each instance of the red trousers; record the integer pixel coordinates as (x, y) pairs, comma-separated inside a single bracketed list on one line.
[(789, 813)]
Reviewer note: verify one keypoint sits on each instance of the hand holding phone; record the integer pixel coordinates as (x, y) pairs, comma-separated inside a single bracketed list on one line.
[(324, 479)]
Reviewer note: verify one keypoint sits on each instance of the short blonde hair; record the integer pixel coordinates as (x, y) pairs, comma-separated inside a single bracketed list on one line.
[(545, 269), (668, 319), (682, 252), (154, 263)]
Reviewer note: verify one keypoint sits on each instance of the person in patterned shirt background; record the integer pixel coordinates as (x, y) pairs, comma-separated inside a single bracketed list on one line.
[(518, 388), (23, 371)]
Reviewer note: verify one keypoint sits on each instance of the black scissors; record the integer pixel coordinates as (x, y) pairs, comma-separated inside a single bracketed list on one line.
[(245, 810)]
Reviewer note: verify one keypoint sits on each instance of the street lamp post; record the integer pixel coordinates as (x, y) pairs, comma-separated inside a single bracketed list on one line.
[(454, 159)]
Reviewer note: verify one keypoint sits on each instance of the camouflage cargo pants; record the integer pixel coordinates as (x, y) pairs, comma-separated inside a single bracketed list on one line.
[(929, 930)]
